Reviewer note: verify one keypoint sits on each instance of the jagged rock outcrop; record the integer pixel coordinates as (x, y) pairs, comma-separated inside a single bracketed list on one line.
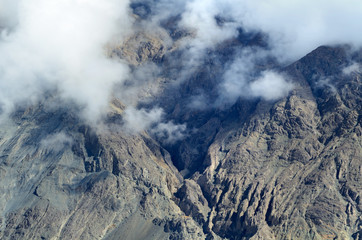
[(62, 180), (292, 168), (284, 169), (143, 47)]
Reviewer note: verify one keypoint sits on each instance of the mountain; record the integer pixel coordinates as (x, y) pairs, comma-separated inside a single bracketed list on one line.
[(287, 168)]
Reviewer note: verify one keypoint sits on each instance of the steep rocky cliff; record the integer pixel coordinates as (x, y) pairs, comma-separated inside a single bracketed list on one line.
[(291, 169), (61, 180), (282, 169)]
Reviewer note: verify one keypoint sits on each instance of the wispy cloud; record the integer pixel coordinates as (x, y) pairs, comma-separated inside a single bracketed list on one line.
[(137, 120), (60, 44), (353, 68), (56, 141)]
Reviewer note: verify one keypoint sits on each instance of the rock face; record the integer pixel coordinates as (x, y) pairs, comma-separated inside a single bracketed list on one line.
[(287, 169), (142, 47), (291, 169), (96, 186)]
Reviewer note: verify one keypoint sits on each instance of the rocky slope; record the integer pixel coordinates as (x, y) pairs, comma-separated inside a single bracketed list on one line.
[(273, 169), (61, 180), (285, 169), (290, 169)]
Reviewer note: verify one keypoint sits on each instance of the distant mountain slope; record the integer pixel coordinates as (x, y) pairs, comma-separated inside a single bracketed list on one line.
[(61, 180), (283, 169), (291, 169)]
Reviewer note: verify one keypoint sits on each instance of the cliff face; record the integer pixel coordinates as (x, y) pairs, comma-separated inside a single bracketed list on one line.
[(291, 169), (61, 180), (284, 169)]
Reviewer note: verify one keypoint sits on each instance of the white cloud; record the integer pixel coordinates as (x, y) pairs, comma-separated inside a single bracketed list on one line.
[(199, 17), (169, 132), (297, 27), (137, 120), (198, 102), (243, 79), (8, 13), (270, 86), (325, 82), (353, 68), (235, 79), (60, 44), (294, 27), (56, 142)]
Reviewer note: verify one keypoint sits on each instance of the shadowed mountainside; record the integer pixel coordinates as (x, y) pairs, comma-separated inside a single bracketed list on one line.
[(285, 169)]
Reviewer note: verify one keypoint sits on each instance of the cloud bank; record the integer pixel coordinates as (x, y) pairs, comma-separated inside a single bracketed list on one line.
[(294, 28), (353, 68), (137, 120), (291, 30), (60, 46)]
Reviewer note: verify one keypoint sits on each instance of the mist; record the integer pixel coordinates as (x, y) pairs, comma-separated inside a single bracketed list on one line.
[(61, 46), (294, 28), (291, 29)]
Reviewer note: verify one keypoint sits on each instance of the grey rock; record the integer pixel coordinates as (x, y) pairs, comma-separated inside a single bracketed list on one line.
[(288, 169)]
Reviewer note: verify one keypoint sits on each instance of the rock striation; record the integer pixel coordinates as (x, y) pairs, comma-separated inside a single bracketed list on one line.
[(284, 169), (290, 169)]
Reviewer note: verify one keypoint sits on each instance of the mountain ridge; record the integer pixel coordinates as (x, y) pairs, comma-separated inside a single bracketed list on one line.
[(282, 169)]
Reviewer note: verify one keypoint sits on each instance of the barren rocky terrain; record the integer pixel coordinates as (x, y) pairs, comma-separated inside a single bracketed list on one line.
[(289, 168)]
